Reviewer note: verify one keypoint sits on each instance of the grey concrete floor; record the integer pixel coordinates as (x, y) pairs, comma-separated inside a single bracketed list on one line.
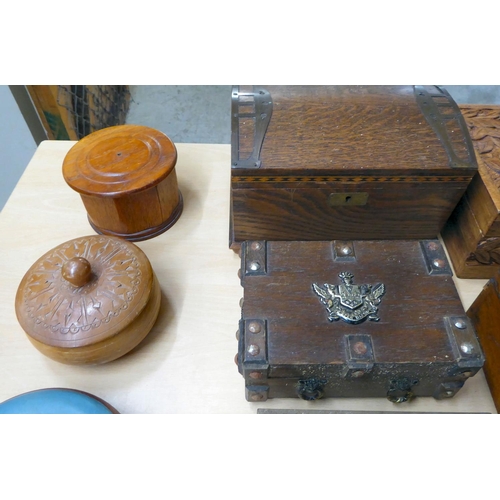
[(474, 94), (185, 113)]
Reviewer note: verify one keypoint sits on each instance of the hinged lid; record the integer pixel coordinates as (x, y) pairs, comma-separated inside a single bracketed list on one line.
[(382, 130), (84, 291), (380, 303)]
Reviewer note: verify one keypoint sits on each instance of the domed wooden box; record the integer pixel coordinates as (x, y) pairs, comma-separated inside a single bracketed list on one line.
[(89, 300), (126, 178)]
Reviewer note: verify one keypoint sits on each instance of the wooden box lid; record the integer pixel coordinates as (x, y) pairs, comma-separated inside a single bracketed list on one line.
[(120, 160), (89, 300), (340, 129)]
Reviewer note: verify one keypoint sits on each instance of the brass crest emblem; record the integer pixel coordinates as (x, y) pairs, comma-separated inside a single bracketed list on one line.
[(351, 303)]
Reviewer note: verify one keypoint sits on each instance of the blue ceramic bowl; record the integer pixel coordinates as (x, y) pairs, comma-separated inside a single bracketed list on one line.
[(56, 401)]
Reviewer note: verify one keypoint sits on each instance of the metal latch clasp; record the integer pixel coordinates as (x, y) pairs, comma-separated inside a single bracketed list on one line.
[(310, 389), (400, 390)]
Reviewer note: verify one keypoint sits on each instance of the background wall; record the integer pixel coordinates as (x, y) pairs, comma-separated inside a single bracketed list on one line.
[(17, 145)]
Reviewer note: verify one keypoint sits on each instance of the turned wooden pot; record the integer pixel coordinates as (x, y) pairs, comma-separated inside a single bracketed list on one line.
[(126, 178), (89, 300)]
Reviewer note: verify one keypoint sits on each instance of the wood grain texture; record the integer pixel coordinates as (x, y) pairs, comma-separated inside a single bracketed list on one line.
[(472, 233), (484, 125), (402, 210), (354, 128), (411, 336), (94, 316), (325, 140), (484, 195), (485, 315), (126, 178), (111, 347), (471, 254)]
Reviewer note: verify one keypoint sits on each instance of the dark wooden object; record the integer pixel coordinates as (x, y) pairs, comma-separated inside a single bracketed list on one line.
[(485, 316), (89, 301), (126, 178), (319, 162), (421, 345), (472, 234)]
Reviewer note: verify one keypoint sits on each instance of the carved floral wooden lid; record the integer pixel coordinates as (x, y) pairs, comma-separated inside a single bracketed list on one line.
[(84, 291), (119, 160)]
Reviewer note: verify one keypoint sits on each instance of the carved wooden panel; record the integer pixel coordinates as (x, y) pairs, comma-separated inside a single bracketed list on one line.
[(472, 234)]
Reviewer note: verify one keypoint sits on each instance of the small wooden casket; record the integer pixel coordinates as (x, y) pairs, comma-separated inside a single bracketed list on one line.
[(353, 163), (472, 234), (485, 316), (352, 319)]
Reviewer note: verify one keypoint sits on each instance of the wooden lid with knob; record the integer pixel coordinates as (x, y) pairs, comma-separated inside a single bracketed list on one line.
[(89, 300), (127, 181)]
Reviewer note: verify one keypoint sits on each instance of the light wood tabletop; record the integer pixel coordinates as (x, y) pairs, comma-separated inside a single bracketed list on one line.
[(186, 363)]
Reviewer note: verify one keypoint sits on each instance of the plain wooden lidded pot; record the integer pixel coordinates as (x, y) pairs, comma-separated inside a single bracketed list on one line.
[(126, 178), (89, 300)]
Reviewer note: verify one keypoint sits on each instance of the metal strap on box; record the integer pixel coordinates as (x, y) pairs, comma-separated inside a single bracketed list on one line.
[(445, 118), (251, 110)]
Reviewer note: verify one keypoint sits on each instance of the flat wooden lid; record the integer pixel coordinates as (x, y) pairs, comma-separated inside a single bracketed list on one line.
[(119, 160), (59, 305)]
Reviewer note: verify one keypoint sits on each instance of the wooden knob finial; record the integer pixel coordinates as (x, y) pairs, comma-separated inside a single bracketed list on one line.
[(76, 271)]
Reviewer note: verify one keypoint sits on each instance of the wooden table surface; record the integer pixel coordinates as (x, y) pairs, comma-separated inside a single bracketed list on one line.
[(186, 363)]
